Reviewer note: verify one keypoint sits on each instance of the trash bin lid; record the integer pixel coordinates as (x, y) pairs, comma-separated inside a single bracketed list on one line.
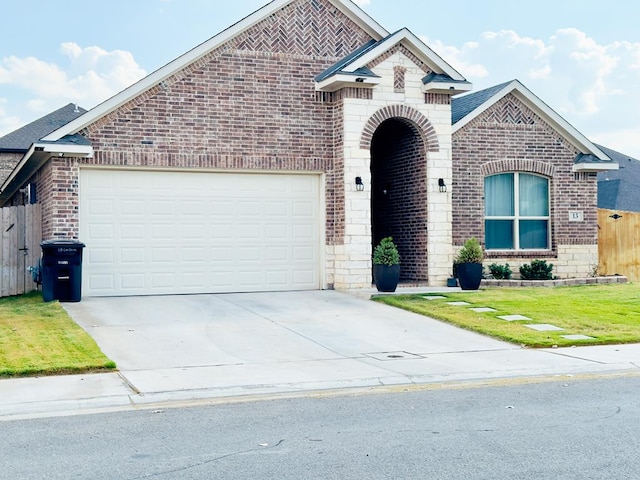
[(62, 243)]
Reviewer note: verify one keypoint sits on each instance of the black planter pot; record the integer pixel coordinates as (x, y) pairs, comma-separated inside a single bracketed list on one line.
[(469, 275), (386, 277)]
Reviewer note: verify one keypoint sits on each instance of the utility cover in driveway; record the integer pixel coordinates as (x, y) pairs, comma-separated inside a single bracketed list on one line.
[(153, 232)]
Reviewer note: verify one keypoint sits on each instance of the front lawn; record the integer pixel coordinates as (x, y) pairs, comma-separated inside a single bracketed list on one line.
[(610, 314), (38, 338)]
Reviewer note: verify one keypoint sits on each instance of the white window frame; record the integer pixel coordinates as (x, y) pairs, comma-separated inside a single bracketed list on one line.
[(515, 218)]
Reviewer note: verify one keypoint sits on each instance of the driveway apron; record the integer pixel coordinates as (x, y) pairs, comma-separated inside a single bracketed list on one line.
[(194, 346)]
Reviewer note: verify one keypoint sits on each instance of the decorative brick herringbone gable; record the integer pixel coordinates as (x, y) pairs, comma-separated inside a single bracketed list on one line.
[(401, 112), (304, 27), (511, 111)]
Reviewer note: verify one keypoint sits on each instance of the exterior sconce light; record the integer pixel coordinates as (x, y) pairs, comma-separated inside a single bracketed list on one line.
[(441, 185), (359, 184)]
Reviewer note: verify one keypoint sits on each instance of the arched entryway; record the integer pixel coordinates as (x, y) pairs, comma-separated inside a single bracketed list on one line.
[(399, 193)]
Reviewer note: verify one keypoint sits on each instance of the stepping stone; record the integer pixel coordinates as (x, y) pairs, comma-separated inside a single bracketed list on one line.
[(483, 309), (433, 297), (513, 318), (544, 327), (578, 337), (458, 304)]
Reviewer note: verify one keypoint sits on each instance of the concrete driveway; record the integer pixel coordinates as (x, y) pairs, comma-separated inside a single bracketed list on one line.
[(201, 346)]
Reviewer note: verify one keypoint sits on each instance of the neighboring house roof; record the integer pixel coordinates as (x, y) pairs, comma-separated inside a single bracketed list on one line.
[(466, 108), (342, 72), (21, 139), (620, 189)]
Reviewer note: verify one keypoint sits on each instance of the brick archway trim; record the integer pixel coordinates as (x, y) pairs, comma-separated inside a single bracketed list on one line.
[(401, 112), (518, 165)]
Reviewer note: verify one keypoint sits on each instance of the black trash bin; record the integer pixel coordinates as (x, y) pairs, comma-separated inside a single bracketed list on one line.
[(62, 270)]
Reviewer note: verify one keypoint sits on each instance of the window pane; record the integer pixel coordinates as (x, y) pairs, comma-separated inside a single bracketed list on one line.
[(498, 234), (498, 195), (534, 195), (534, 234)]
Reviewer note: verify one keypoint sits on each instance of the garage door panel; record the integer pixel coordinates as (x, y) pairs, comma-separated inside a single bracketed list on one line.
[(184, 232)]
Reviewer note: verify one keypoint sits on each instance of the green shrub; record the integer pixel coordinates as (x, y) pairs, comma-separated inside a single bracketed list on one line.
[(500, 271), (537, 270), (386, 253), (471, 252)]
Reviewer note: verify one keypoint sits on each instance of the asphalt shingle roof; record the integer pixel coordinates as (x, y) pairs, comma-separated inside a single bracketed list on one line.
[(620, 189), (463, 105), (339, 65), (21, 139)]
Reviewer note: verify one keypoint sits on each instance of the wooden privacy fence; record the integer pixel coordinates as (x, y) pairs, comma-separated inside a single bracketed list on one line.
[(619, 243), (19, 248)]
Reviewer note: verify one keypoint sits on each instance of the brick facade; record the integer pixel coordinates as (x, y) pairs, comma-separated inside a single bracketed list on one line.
[(251, 105), (511, 137)]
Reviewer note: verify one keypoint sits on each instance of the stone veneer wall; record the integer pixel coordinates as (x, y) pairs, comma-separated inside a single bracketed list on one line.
[(8, 161), (430, 115)]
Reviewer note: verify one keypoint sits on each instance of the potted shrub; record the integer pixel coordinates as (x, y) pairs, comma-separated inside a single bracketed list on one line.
[(386, 265), (469, 265)]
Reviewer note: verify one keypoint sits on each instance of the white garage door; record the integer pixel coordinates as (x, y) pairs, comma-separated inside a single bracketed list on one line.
[(156, 232)]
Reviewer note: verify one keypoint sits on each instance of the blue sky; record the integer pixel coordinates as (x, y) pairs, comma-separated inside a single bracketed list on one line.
[(580, 57)]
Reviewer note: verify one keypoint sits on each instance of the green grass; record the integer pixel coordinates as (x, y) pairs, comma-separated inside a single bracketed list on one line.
[(608, 313), (38, 338)]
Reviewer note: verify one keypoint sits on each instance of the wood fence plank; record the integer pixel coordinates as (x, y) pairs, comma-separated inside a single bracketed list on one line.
[(21, 251), (2, 229), (32, 242), (20, 237), (619, 243), (6, 249), (14, 228)]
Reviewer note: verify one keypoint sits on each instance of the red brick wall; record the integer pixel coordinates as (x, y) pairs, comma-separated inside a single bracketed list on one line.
[(508, 137), (57, 187), (250, 104), (398, 165)]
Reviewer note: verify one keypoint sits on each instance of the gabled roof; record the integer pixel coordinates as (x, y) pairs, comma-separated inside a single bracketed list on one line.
[(347, 7), (338, 74), (465, 104), (620, 189), (468, 107), (21, 139)]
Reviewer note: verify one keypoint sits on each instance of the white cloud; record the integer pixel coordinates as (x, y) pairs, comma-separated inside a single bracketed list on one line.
[(591, 84), (8, 123), (89, 76), (459, 58)]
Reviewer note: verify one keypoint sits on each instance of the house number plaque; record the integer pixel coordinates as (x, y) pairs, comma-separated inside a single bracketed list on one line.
[(576, 216)]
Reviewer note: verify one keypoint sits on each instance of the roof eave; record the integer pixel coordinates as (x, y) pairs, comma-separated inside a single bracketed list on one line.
[(338, 81), (450, 88), (350, 9), (34, 159), (589, 167), (417, 47)]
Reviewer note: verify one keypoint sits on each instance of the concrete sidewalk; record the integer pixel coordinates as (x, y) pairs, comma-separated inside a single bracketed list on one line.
[(201, 347)]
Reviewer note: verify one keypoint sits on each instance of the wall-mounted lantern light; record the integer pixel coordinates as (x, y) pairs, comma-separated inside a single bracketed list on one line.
[(359, 184), (441, 185)]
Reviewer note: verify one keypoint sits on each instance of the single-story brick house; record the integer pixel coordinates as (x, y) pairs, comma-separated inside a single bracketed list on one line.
[(275, 155)]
